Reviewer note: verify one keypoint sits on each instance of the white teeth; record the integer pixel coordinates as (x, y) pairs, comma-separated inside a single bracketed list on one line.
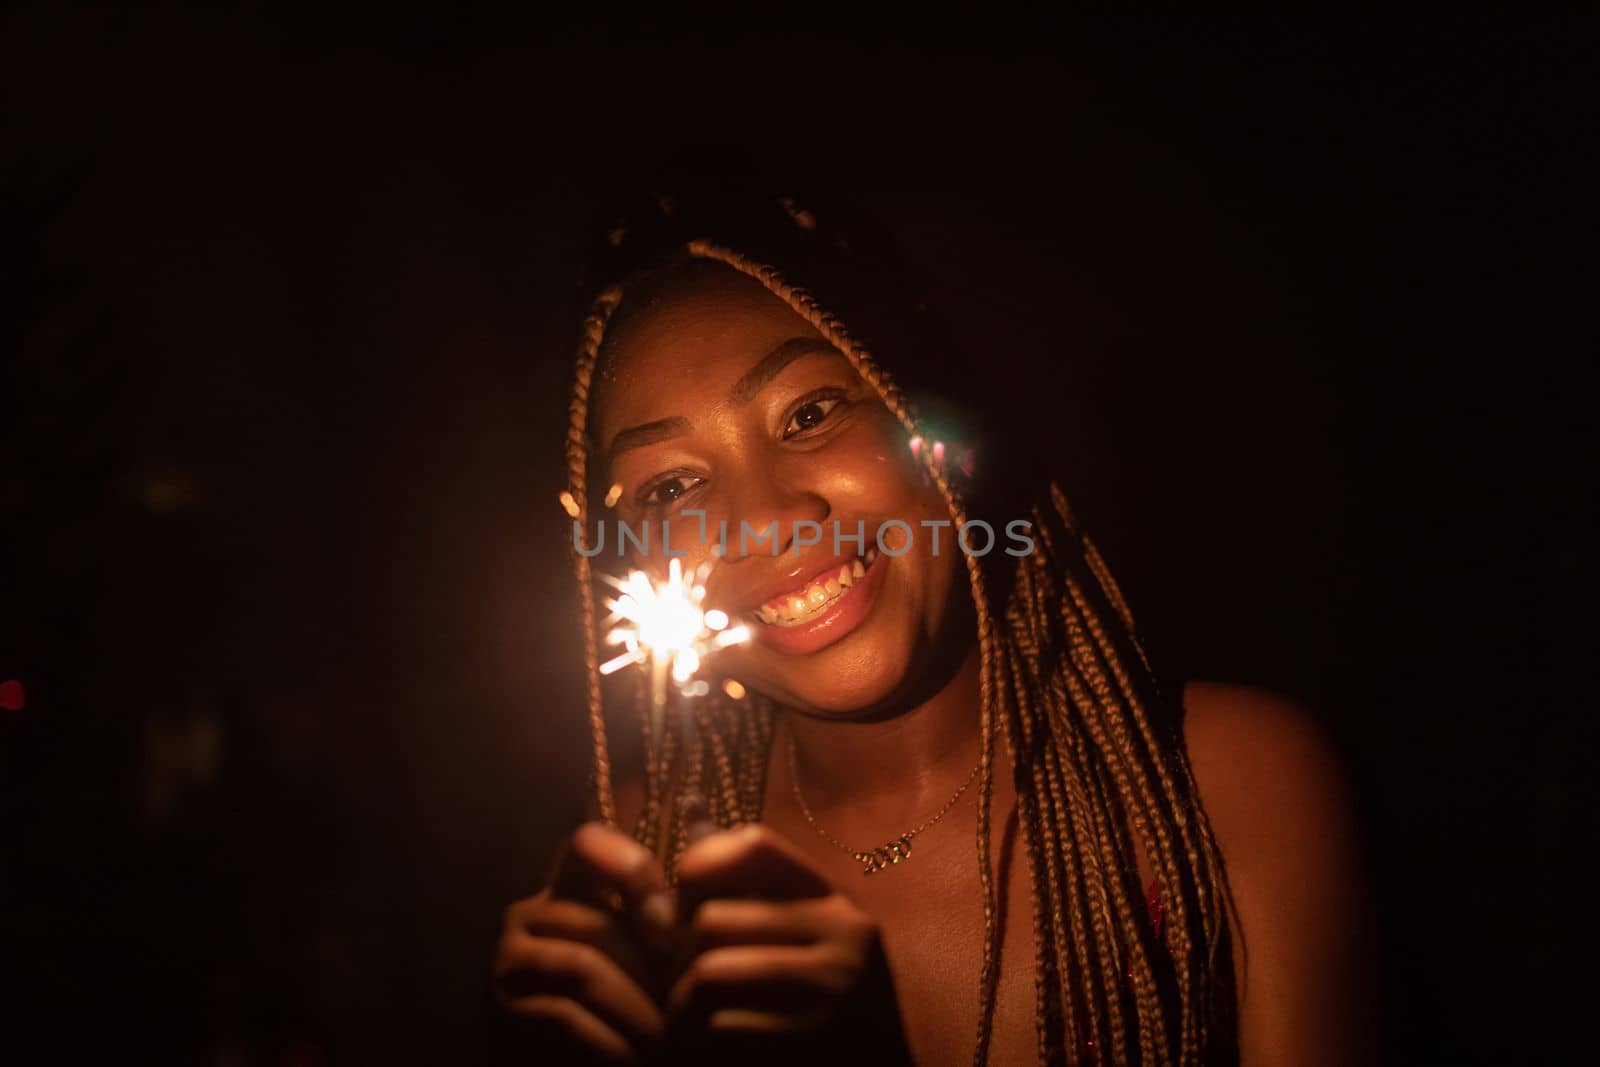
[(811, 601)]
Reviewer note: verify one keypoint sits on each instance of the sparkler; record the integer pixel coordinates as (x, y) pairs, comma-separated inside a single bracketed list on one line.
[(663, 625)]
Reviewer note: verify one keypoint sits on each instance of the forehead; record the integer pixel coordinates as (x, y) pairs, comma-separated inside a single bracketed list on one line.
[(684, 335)]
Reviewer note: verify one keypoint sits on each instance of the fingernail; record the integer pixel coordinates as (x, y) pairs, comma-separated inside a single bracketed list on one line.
[(658, 910)]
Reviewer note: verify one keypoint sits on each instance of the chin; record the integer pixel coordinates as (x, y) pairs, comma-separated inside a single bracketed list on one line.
[(856, 677)]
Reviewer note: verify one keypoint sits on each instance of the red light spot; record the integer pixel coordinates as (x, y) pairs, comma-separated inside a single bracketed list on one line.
[(11, 695)]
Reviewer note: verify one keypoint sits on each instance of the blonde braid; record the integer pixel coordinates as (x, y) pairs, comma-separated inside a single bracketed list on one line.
[(1023, 647), (577, 451), (1076, 676)]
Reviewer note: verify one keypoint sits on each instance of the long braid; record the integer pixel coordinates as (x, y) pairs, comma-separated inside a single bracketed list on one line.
[(1075, 800), (1090, 697), (1049, 936), (648, 825), (1020, 737), (731, 810), (577, 501), (1083, 624), (1096, 778)]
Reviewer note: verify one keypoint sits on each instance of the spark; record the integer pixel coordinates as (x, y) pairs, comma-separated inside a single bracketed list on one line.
[(662, 625)]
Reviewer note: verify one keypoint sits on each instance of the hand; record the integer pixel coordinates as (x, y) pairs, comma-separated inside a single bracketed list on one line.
[(573, 964), (783, 964)]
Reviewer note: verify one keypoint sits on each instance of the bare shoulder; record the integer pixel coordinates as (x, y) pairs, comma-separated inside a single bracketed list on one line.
[(1278, 801), (1249, 745), (1272, 784)]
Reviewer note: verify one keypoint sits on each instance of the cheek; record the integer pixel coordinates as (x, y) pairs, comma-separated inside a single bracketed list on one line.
[(870, 666), (871, 470)]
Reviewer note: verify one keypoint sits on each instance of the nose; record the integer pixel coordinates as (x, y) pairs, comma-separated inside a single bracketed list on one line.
[(763, 515)]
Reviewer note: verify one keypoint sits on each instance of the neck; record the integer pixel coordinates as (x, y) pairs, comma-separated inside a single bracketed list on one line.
[(896, 766)]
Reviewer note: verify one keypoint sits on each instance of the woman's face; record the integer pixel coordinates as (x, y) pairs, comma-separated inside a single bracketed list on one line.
[(714, 396)]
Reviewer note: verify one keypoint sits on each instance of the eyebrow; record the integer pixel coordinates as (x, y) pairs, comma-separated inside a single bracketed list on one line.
[(756, 378), (648, 434), (744, 390)]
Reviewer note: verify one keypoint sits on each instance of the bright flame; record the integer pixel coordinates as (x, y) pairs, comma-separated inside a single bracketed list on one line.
[(662, 623)]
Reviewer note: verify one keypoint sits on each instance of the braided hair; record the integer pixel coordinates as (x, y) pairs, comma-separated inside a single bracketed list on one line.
[(1094, 741)]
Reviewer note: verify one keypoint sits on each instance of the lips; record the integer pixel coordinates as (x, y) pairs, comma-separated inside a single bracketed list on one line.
[(811, 599), (815, 613)]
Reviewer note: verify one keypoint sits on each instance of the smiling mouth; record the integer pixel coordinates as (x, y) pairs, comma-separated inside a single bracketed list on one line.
[(800, 606)]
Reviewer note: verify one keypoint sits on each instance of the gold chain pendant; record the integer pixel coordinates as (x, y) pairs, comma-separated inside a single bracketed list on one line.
[(884, 855)]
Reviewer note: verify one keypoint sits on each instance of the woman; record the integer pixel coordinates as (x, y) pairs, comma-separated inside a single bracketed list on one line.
[(1162, 873)]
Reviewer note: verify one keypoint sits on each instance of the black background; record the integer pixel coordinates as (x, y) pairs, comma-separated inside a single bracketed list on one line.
[(285, 362)]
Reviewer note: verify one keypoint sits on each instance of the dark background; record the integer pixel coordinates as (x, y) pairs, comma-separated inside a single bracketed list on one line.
[(286, 349)]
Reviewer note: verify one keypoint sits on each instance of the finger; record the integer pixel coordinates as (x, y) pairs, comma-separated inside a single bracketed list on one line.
[(565, 1018), (720, 923), (538, 966), (748, 1023), (628, 934), (569, 921), (751, 861), (605, 867), (787, 979)]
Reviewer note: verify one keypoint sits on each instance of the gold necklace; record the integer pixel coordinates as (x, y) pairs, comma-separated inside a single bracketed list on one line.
[(876, 859)]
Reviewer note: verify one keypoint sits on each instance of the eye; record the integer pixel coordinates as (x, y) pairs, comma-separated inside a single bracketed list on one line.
[(665, 492), (810, 414)]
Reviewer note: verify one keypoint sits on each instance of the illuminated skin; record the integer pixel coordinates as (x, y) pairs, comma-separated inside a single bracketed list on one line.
[(884, 692), (710, 400)]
